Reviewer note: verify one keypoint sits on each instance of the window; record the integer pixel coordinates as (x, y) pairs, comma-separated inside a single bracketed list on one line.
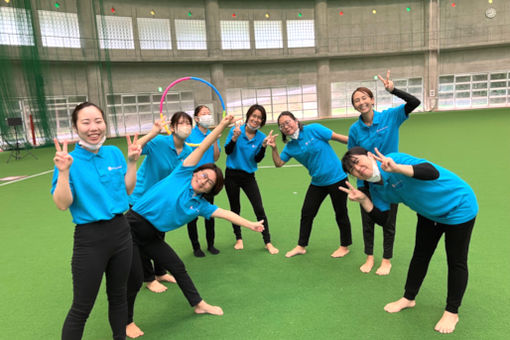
[(341, 92), (268, 34), (115, 32), (15, 27), (130, 113), (300, 33), (235, 35), (300, 100), (154, 34), (59, 29), (191, 34)]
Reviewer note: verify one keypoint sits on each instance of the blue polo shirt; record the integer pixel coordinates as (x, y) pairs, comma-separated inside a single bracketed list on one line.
[(447, 199), (161, 159), (97, 184), (172, 203), (196, 137), (383, 134), (245, 150), (312, 149)]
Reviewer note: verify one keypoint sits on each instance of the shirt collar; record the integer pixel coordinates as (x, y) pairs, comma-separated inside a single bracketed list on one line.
[(375, 120), (85, 154)]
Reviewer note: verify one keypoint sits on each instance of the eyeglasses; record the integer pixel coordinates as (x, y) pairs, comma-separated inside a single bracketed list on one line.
[(206, 178), (284, 124)]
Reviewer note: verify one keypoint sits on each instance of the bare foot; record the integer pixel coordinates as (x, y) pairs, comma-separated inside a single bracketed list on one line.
[(397, 306), (447, 323), (296, 251), (155, 287), (272, 250), (133, 331), (166, 278), (367, 266), (239, 245), (205, 308), (340, 252), (385, 267)]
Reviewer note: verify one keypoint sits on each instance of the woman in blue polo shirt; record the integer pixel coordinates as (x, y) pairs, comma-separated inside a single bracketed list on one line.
[(379, 130), (245, 147), (445, 205), (162, 154), (168, 205), (310, 146), (94, 181), (204, 120)]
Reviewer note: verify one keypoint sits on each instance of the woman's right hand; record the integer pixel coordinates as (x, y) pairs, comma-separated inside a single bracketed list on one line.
[(270, 140), (236, 132), (62, 159)]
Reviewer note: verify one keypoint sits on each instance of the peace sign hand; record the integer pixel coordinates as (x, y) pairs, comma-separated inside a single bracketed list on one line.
[(237, 131), (270, 140), (62, 159), (352, 193), (388, 83), (159, 124), (387, 163), (134, 149)]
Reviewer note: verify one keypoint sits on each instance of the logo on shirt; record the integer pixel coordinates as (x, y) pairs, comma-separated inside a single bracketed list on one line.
[(110, 168), (382, 129), (309, 141)]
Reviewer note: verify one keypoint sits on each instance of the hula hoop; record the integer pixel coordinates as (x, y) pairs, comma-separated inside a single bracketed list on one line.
[(181, 80)]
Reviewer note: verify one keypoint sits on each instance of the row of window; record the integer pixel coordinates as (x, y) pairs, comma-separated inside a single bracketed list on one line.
[(130, 113), (62, 30), (474, 90)]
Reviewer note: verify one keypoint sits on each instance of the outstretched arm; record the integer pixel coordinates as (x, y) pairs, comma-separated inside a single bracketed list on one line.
[(62, 195), (236, 219), (197, 154)]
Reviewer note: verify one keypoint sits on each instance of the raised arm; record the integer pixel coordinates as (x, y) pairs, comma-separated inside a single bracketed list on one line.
[(271, 141), (62, 195), (236, 219), (411, 101), (134, 151), (156, 129), (197, 154)]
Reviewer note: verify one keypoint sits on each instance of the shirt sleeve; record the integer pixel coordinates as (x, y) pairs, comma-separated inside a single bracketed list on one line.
[(207, 209), (321, 131), (352, 141)]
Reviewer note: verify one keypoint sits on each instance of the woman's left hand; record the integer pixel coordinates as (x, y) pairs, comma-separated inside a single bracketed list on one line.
[(257, 226), (134, 150), (388, 83)]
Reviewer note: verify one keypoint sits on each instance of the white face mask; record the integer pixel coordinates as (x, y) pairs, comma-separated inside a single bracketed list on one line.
[(295, 135), (183, 131), (205, 121), (376, 174), (254, 128), (92, 147)]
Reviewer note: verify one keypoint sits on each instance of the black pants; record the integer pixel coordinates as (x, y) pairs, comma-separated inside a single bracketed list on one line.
[(100, 247), (209, 230), (313, 200), (147, 240), (388, 229), (457, 239), (236, 180), (150, 271)]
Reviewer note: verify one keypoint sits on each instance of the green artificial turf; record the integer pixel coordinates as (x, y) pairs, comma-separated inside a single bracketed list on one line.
[(264, 296)]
